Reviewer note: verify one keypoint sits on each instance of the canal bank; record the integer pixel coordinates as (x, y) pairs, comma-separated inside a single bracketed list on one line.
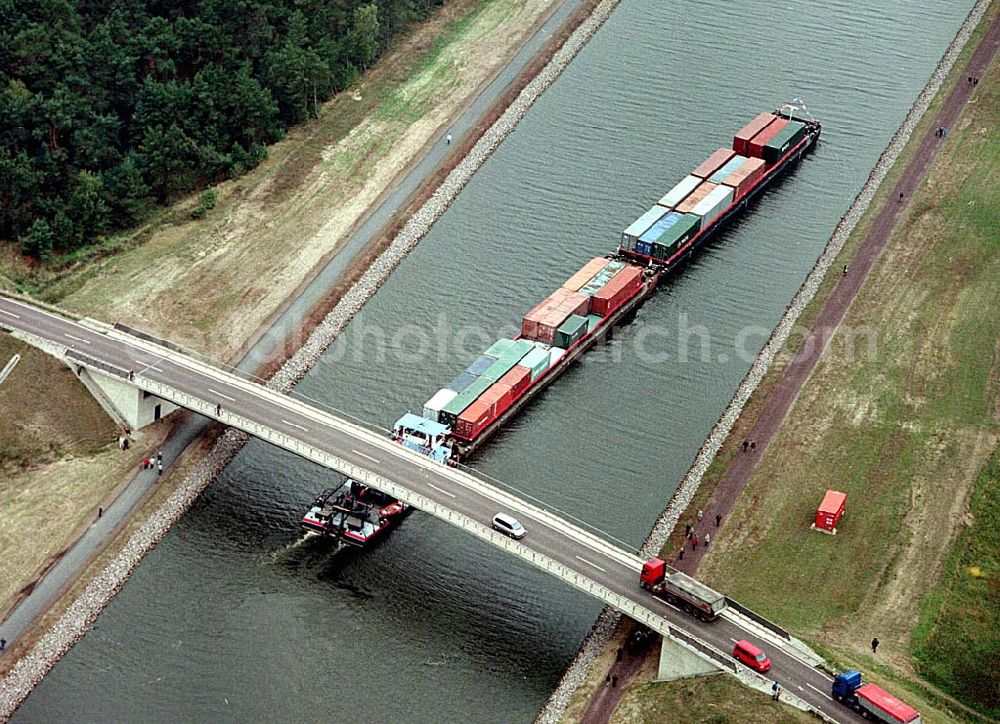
[(581, 688), (229, 553)]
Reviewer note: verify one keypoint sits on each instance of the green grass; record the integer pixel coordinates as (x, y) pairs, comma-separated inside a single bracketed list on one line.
[(957, 643)]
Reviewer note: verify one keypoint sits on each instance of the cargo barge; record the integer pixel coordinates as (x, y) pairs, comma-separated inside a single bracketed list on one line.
[(606, 291)]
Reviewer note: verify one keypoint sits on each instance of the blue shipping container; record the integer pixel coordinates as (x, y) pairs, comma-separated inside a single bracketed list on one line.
[(480, 365), (723, 173), (657, 229), (644, 247), (462, 381)]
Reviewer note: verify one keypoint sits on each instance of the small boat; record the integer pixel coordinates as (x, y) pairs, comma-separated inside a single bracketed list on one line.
[(354, 513)]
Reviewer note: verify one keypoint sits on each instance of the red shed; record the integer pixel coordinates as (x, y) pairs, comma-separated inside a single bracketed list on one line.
[(830, 510)]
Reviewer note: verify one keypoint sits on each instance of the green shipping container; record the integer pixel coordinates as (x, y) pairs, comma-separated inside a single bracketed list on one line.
[(499, 348), (570, 331), (465, 398), (787, 137), (601, 278), (676, 235), (537, 360), (510, 358), (592, 321)]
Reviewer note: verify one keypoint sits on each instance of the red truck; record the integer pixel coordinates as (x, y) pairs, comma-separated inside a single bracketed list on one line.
[(871, 701), (682, 591)]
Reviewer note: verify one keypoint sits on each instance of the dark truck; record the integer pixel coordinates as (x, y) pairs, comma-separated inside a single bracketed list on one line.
[(682, 591), (871, 701)]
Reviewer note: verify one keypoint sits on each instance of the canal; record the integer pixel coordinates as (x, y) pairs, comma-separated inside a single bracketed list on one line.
[(236, 616)]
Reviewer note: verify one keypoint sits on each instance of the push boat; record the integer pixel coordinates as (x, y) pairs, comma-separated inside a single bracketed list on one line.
[(608, 291), (354, 513)]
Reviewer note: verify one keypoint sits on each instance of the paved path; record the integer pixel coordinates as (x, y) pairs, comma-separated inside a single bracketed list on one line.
[(781, 399), (72, 563)]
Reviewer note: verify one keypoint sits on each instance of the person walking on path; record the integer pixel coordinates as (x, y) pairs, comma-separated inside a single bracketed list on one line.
[(680, 554), (687, 530), (159, 469), (159, 456), (100, 512), (3, 644), (694, 541), (774, 691), (875, 643), (746, 444), (708, 539), (900, 197), (718, 519), (701, 514), (845, 270), (448, 139), (753, 445)]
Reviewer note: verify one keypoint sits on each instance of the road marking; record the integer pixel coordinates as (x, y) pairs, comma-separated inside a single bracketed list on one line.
[(589, 563), (149, 366), (10, 314), (440, 490), (78, 339), (227, 397), (293, 424), (666, 603), (818, 691), (367, 456)]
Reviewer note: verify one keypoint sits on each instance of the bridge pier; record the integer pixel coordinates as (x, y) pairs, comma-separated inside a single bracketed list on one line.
[(127, 405), (679, 662)]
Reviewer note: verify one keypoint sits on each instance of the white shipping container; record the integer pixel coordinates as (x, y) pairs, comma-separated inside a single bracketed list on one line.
[(680, 192), (557, 354), (640, 226), (713, 204), (433, 406)]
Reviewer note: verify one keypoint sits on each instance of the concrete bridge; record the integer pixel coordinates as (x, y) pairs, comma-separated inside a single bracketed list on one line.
[(139, 379)]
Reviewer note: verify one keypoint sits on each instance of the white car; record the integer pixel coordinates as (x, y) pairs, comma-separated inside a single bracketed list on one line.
[(508, 525)]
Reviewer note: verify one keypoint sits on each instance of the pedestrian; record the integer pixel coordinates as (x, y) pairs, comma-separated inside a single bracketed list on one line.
[(159, 469), (618, 654), (718, 519), (701, 515), (944, 132), (970, 80), (777, 693), (607, 679), (875, 643), (753, 445), (614, 680), (3, 644), (100, 512), (145, 463), (125, 444), (708, 539), (680, 554), (774, 691), (694, 542), (218, 409), (687, 530), (448, 139), (900, 197), (845, 270), (746, 444), (159, 456), (975, 81)]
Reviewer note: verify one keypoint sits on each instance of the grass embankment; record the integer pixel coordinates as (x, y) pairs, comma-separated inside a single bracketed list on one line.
[(904, 431), (210, 284)]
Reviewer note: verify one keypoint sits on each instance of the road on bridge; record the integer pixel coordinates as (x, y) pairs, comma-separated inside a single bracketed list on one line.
[(548, 535)]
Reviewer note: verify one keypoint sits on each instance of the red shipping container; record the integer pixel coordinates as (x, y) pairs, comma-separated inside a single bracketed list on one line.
[(829, 511), (756, 146), (588, 272), (714, 162), (490, 405), (741, 141), (626, 283), (545, 328), (517, 379), (541, 311), (687, 205), (743, 178)]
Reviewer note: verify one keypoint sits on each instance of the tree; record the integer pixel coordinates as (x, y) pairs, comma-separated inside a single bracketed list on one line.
[(364, 34), (38, 241)]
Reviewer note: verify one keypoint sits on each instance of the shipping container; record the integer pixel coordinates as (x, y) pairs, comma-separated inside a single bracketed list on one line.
[(477, 416), (639, 226), (545, 328), (556, 354), (688, 204), (570, 331), (480, 365), (786, 138), (714, 204), (499, 348), (643, 247), (499, 368), (661, 227), (623, 286), (714, 162), (743, 178), (734, 163), (451, 411), (542, 311), (587, 273), (433, 406), (592, 321), (462, 381), (680, 192), (679, 233), (602, 277), (756, 145), (537, 361), (517, 379), (741, 141)]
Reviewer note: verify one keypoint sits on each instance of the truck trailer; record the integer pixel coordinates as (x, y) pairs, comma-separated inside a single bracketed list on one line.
[(871, 701), (682, 591)]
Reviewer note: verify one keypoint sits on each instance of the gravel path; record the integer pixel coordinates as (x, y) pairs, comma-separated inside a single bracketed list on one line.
[(600, 634)]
